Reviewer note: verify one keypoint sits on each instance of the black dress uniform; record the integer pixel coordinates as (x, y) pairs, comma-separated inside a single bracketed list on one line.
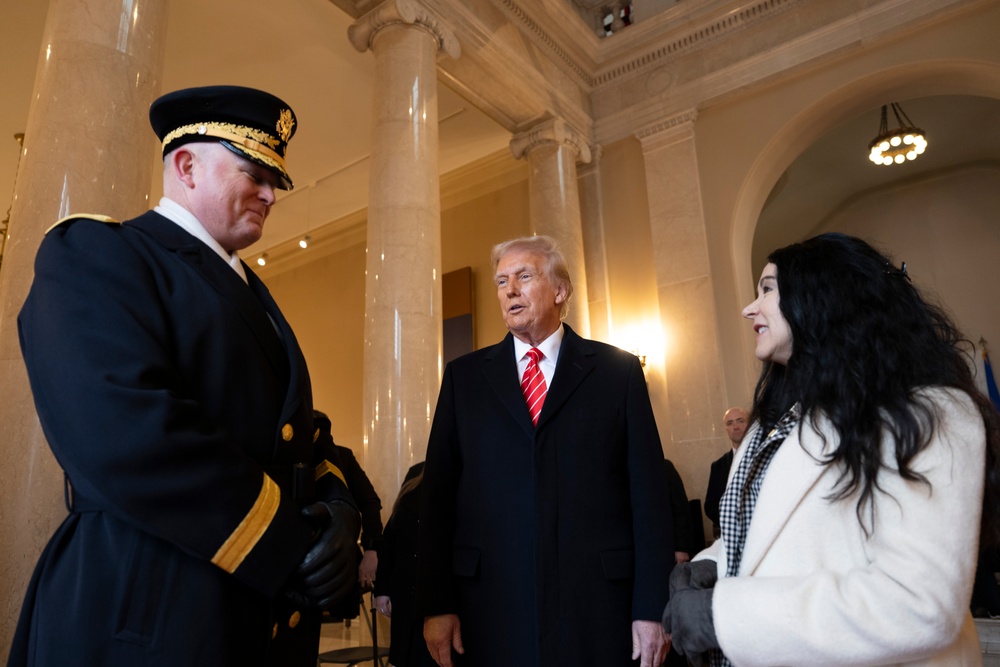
[(178, 402)]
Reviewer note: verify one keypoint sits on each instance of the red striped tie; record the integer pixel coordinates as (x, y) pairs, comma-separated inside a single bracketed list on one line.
[(533, 385)]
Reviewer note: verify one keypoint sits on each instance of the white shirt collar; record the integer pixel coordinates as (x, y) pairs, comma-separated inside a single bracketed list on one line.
[(548, 347), (184, 219)]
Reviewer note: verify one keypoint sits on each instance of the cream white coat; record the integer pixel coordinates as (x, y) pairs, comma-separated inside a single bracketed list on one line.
[(814, 590)]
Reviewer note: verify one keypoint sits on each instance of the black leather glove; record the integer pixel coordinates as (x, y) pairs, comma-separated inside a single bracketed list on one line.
[(688, 620), (328, 572), (698, 574)]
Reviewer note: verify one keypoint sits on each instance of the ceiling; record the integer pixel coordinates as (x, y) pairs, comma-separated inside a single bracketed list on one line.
[(305, 57)]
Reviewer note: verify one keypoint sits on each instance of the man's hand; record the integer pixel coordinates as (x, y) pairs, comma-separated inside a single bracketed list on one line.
[(366, 571), (384, 605), (649, 643), (326, 574), (442, 634)]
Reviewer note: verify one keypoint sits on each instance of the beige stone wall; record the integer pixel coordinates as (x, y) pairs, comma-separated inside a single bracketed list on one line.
[(945, 229), (324, 301)]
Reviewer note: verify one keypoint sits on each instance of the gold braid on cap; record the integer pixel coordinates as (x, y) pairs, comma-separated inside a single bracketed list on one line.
[(246, 137)]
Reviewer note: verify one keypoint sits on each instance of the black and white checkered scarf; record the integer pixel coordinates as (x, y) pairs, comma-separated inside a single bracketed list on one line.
[(740, 498)]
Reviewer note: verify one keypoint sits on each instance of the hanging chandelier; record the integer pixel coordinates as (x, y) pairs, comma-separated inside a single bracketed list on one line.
[(896, 146)]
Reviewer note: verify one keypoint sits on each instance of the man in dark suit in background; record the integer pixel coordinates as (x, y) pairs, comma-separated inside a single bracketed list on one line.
[(735, 421), (206, 527), (545, 530)]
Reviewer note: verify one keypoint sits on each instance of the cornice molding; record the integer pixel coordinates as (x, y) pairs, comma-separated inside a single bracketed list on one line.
[(667, 131), (543, 39), (406, 12), (698, 35)]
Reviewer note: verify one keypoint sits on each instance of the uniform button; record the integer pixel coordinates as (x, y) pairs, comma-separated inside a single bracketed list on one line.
[(287, 432), (274, 631), (293, 620)]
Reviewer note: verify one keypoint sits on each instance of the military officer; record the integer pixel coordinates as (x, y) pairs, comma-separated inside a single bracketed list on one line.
[(205, 527)]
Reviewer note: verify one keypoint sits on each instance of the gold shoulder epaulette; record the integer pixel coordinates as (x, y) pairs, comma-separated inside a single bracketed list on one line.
[(89, 216)]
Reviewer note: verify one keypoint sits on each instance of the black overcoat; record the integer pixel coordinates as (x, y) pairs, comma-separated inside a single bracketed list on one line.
[(547, 542), (176, 399)]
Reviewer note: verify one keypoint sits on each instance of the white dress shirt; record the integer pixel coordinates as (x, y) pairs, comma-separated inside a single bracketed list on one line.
[(550, 351)]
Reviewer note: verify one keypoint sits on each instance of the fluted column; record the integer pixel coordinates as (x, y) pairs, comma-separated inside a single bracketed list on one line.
[(692, 363), (88, 148), (552, 148), (402, 364)]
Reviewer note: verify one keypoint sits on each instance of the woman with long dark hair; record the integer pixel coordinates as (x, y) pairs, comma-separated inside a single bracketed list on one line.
[(853, 515)]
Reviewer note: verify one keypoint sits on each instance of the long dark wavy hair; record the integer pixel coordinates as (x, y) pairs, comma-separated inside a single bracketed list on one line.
[(864, 341)]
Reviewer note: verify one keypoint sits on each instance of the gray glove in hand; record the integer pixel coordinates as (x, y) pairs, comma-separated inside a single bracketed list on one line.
[(329, 571), (688, 620), (698, 574)]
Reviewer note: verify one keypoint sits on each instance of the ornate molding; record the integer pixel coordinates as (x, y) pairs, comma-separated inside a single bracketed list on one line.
[(407, 12), (542, 38), (552, 131), (698, 37), (667, 131)]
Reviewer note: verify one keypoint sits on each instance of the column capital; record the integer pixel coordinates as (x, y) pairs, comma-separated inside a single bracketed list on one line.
[(552, 131), (407, 12), (678, 127)]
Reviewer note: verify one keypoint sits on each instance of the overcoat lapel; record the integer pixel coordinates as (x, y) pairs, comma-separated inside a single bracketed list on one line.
[(793, 473), (296, 371), (222, 278), (574, 364), (500, 369)]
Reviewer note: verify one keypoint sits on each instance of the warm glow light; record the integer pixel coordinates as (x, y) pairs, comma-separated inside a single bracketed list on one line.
[(262, 260), (645, 340), (304, 241), (896, 146)]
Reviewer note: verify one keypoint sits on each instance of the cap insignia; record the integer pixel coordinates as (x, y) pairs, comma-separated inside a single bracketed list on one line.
[(286, 122)]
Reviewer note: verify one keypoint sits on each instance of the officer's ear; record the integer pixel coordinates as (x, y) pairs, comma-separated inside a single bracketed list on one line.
[(180, 165)]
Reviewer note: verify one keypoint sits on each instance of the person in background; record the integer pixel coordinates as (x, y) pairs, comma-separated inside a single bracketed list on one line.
[(735, 421), (395, 585), (364, 495), (851, 522), (684, 535), (205, 526), (545, 530)]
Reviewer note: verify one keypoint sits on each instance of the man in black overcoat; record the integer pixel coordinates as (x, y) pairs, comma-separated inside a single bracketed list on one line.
[(205, 526), (549, 543), (735, 422)]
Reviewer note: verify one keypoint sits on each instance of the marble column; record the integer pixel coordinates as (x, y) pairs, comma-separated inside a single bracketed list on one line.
[(595, 250), (403, 317), (87, 148), (552, 148), (694, 373)]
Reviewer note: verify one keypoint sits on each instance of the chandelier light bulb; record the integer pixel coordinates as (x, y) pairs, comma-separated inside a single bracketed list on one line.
[(896, 146), (262, 260), (304, 241)]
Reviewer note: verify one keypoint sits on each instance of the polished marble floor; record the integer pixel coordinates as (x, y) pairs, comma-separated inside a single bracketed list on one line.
[(336, 635)]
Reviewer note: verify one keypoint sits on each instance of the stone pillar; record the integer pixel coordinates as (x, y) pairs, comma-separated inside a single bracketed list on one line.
[(595, 259), (694, 375), (88, 148), (552, 148), (402, 364)]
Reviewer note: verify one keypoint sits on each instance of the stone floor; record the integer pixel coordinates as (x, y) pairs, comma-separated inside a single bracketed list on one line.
[(989, 639)]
